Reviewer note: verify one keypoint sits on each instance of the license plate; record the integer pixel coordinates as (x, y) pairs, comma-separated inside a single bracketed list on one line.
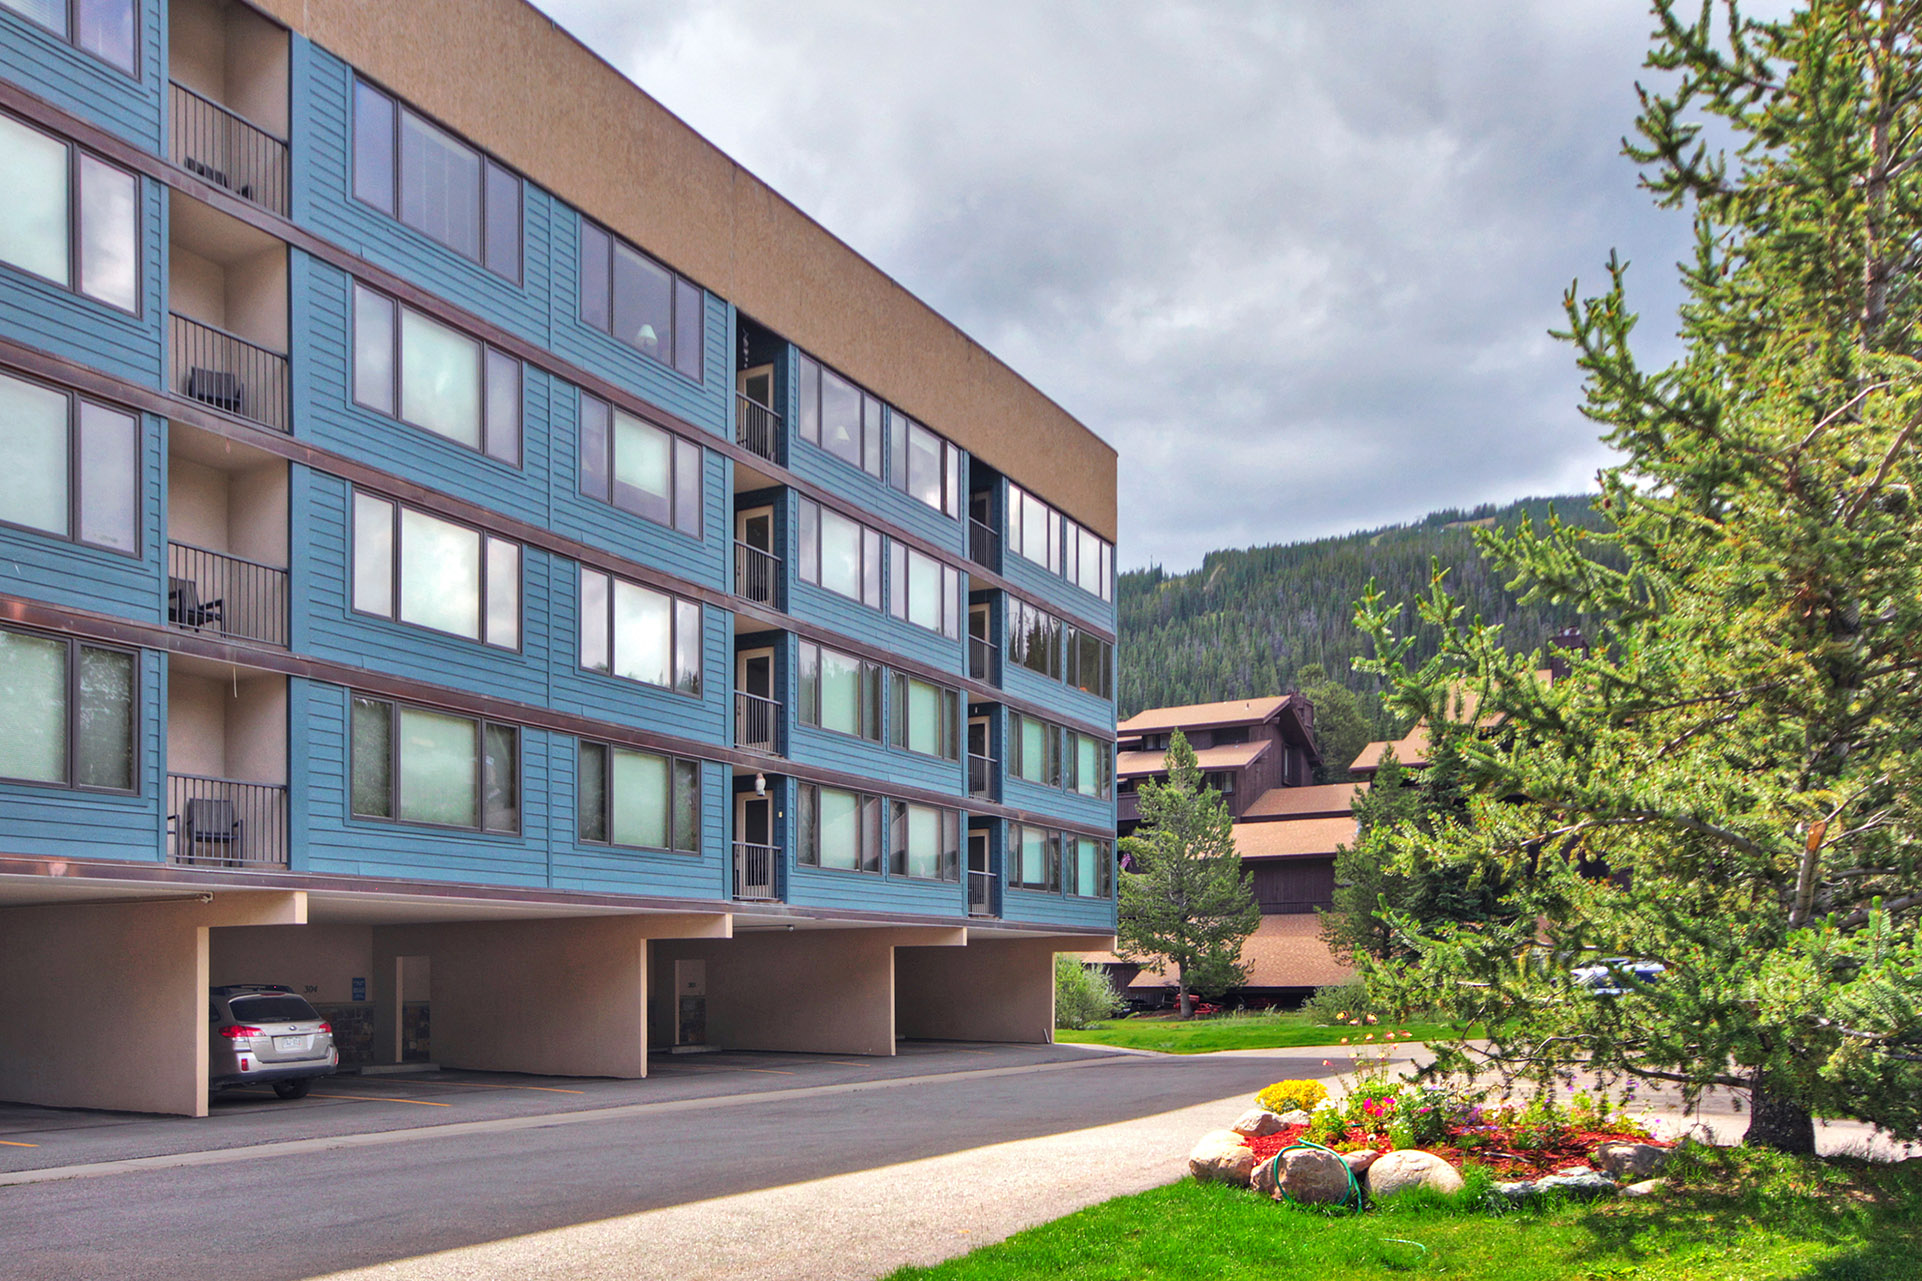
[(290, 1043)]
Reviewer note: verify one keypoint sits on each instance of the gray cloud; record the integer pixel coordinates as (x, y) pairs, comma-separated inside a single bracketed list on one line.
[(1296, 261)]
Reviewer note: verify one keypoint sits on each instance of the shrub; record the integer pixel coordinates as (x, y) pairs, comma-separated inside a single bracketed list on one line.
[(1327, 1128), (1348, 1000), (1290, 1096), (1082, 994)]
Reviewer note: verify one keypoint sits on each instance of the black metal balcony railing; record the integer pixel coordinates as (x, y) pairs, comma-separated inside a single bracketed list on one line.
[(757, 723), (757, 428), (981, 893), (757, 575), (754, 871), (218, 822), (984, 545), (210, 591), (227, 372), (981, 660), (981, 776), (213, 143)]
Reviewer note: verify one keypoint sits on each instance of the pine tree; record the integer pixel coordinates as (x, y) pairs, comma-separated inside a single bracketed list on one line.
[(1185, 900), (1731, 782)]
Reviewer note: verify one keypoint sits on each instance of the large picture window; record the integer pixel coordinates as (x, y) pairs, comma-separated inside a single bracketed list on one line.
[(639, 634), (1034, 752), (411, 367), (839, 692), (1090, 866), (927, 718), (924, 842), (71, 713), (107, 29), (838, 829), (1089, 662), (923, 590), (69, 217), (923, 465), (639, 799), (1034, 639), (1090, 765), (1039, 533), (420, 569), (74, 466), (415, 765), (411, 169), (629, 296), (839, 554), (639, 467), (1035, 855), (839, 417)]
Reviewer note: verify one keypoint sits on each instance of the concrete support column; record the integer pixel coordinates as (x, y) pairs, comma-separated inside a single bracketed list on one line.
[(994, 989), (104, 1005)]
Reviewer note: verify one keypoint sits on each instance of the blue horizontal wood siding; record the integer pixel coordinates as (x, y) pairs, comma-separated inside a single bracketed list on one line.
[(1034, 907), (337, 843), (612, 870), (868, 892), (1038, 585), (40, 314), (1044, 691), (41, 567), (61, 822), (1058, 803), (43, 63)]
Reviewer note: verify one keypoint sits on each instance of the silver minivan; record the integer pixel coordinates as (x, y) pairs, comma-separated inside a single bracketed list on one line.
[(265, 1033)]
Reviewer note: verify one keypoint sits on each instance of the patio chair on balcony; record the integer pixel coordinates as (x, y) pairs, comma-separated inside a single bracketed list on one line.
[(209, 824), (185, 608), (218, 177), (214, 387)]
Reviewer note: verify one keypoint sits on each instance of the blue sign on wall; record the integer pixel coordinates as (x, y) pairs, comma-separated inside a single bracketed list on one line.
[(360, 989)]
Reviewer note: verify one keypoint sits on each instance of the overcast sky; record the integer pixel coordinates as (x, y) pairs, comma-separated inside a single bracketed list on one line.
[(1295, 260)]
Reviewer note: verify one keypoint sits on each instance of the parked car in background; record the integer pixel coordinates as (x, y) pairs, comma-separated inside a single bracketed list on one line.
[(1604, 978), (264, 1033)]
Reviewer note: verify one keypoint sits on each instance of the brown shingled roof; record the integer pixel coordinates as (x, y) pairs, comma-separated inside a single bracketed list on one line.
[(1227, 756), (1328, 800), (1241, 711), (1284, 951), (1293, 837)]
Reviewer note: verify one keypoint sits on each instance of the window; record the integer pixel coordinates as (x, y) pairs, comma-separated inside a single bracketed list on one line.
[(923, 590), (839, 554), (924, 842), (1090, 867), (1034, 639), (411, 169), (838, 829), (639, 634), (840, 417), (1034, 750), (629, 296), (923, 465), (1039, 533), (1090, 662), (927, 718), (639, 799), (430, 572), (107, 29), (1090, 765), (1036, 855), (419, 766), (840, 693), (640, 468), (70, 713), (430, 376), (68, 217), (75, 466)]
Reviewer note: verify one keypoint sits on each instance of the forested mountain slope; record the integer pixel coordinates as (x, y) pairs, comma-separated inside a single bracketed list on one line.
[(1247, 621)]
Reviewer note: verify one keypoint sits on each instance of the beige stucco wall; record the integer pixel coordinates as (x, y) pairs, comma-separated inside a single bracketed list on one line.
[(990, 990), (105, 1005), (225, 52), (318, 961), (504, 75), (234, 727)]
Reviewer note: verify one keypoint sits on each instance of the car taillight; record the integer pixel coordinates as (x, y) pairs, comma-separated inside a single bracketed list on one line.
[(326, 1029), (238, 1032)]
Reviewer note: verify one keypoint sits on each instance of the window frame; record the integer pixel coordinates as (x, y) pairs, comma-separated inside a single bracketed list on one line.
[(953, 720), (396, 355), (901, 429), (1104, 886), (870, 824), (674, 765), (679, 286), (487, 166), (1071, 762), (677, 455), (902, 598), (1051, 754), (136, 718), (75, 283), (1063, 543), (812, 427), (71, 37), (947, 858), (1051, 859), (395, 560), (675, 602), (76, 476), (808, 555), (481, 725), (809, 693)]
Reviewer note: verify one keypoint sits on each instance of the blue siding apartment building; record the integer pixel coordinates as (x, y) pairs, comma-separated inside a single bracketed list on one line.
[(472, 552)]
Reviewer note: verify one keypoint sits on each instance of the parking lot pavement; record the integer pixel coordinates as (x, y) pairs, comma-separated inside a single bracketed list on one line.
[(34, 1138)]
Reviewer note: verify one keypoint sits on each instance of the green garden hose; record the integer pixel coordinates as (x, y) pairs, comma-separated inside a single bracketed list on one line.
[(1274, 1162)]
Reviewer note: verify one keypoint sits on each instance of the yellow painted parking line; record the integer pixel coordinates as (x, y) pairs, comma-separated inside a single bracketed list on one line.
[(9, 1143), (489, 1085)]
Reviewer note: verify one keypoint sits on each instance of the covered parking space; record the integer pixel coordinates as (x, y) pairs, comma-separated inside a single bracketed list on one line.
[(998, 987)]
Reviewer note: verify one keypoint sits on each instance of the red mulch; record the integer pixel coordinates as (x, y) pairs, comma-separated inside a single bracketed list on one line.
[(1577, 1148)]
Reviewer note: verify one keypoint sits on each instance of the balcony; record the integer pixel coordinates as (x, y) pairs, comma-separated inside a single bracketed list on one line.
[(227, 803), (757, 575), (213, 143), (984, 660), (208, 591), (754, 872), (223, 822), (227, 334), (981, 770), (227, 98), (227, 538), (757, 428), (757, 723), (984, 544), (981, 894)]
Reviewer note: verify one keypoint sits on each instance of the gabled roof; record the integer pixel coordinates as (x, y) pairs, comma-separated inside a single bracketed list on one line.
[(1284, 951), (1411, 751), (1243, 711), (1227, 756), (1328, 800), (1293, 838)]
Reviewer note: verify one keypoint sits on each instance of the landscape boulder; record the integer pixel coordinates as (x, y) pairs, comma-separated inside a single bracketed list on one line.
[(1400, 1171), (1258, 1123), (1222, 1157), (1263, 1179), (1310, 1176), (1576, 1187), (1631, 1161), (1360, 1161), (1647, 1187), (1295, 1116)]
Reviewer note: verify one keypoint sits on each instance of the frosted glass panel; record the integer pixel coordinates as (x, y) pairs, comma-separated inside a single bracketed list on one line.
[(438, 779), (643, 469), (33, 707), (109, 234), (840, 830), (439, 574), (106, 27), (924, 591), (640, 800), (373, 351), (643, 626), (109, 469), (503, 593), (373, 758), (440, 379), (924, 718), (594, 588), (924, 841), (103, 749), (48, 13), (840, 693), (33, 441), (840, 554), (33, 217)]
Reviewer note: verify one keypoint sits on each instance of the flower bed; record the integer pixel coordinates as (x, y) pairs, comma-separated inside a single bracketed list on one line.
[(1494, 1146)]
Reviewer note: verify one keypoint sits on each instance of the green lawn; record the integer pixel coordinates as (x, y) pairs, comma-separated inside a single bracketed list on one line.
[(1276, 1031), (1748, 1219)]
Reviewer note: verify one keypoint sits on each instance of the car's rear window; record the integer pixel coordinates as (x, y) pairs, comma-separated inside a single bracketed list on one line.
[(279, 1008)]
